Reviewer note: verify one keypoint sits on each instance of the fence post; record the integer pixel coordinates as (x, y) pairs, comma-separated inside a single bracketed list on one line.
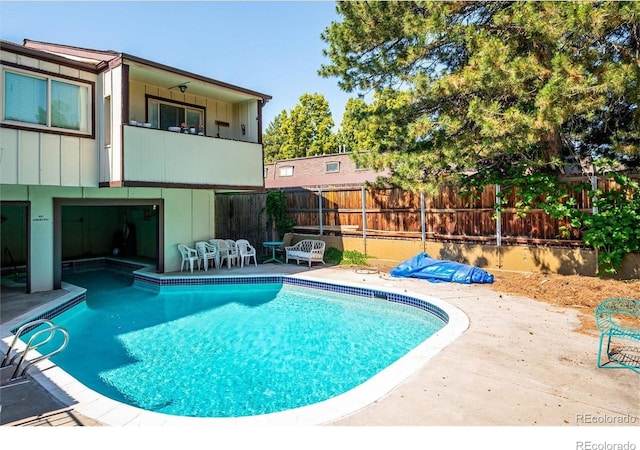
[(498, 219), (498, 227), (364, 219), (594, 187), (423, 225), (594, 209), (320, 210)]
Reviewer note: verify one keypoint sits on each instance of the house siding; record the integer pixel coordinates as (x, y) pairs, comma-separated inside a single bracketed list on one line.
[(49, 175), (44, 157)]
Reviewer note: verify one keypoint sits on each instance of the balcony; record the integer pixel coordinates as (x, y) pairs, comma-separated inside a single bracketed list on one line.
[(154, 157)]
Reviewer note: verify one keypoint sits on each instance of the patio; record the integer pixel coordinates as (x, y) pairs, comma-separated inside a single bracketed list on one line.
[(520, 363)]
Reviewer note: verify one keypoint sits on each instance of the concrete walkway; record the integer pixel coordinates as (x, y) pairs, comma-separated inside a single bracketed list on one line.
[(520, 363)]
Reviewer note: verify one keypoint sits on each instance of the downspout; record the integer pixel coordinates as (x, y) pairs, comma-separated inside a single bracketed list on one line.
[(125, 117), (261, 104)]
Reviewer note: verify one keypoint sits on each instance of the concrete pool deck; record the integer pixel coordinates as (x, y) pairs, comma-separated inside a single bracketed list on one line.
[(519, 363)]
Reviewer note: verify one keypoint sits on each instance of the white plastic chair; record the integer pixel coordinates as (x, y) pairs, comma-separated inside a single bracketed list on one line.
[(189, 256), (223, 251), (206, 253), (233, 251), (246, 251)]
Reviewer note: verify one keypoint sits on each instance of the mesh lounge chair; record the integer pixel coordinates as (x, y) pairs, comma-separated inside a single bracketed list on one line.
[(189, 256), (246, 251)]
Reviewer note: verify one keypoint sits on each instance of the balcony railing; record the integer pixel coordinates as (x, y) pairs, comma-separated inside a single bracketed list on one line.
[(163, 157)]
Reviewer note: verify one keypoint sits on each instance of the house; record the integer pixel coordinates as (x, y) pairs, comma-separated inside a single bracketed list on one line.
[(313, 172), (106, 153)]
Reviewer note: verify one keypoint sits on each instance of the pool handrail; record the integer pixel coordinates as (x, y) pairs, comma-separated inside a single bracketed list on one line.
[(23, 328), (20, 371)]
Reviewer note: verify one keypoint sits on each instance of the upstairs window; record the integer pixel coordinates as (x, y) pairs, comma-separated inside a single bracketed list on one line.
[(332, 167), (47, 102), (286, 171)]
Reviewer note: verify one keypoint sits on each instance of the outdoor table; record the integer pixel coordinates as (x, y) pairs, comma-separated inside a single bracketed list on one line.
[(273, 245)]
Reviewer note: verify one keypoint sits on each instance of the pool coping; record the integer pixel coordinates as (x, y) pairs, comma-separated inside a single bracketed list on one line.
[(110, 412)]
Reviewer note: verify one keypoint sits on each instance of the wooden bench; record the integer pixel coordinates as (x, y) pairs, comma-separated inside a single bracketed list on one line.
[(310, 250), (619, 319)]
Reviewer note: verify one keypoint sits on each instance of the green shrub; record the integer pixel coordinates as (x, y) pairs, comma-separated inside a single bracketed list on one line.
[(345, 257)]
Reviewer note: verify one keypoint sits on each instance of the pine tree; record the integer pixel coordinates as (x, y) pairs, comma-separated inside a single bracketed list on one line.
[(486, 90)]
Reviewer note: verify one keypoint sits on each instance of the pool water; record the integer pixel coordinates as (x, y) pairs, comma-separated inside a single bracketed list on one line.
[(230, 350)]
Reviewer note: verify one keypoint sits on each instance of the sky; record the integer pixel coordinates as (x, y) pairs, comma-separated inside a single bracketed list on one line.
[(270, 47)]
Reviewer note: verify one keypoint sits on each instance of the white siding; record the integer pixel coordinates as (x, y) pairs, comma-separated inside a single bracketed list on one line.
[(50, 159), (34, 158), (8, 156), (28, 157), (163, 157)]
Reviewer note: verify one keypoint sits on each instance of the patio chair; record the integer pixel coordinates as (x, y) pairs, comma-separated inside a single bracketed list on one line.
[(206, 253), (233, 251), (189, 256), (223, 251), (245, 252), (618, 319)]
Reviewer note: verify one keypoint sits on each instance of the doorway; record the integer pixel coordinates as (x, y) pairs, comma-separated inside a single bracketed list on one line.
[(14, 236), (90, 228)]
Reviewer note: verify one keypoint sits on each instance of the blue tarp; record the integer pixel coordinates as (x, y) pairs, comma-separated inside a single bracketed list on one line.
[(436, 270)]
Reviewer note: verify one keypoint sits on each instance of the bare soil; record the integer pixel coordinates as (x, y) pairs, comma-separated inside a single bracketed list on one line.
[(570, 291)]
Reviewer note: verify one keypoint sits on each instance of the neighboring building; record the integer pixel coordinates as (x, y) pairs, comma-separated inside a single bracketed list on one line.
[(333, 170), (87, 156)]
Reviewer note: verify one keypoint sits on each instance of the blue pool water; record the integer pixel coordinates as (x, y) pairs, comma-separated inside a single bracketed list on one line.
[(230, 350)]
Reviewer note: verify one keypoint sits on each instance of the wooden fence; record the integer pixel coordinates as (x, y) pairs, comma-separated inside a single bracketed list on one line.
[(397, 213), (241, 216)]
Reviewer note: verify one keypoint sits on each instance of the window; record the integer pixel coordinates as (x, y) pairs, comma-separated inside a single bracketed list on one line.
[(47, 102), (332, 167), (266, 172), (163, 115), (286, 171)]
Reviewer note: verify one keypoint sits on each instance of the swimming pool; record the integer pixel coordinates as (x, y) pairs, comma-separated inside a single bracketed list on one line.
[(260, 309)]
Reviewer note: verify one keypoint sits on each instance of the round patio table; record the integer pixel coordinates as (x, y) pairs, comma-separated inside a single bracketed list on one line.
[(273, 245)]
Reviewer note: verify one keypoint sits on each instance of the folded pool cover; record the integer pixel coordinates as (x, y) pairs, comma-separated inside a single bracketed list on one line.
[(435, 270)]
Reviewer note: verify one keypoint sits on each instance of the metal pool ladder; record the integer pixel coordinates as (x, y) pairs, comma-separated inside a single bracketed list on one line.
[(49, 334)]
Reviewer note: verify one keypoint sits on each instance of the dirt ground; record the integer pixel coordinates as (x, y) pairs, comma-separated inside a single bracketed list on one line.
[(570, 291)]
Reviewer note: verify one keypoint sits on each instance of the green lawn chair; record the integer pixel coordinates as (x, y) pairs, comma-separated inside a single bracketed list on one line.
[(618, 321)]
